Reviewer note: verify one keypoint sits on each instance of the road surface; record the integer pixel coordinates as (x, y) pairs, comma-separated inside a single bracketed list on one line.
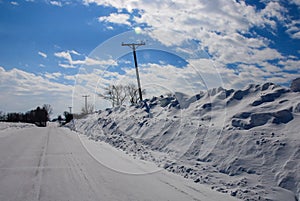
[(52, 164)]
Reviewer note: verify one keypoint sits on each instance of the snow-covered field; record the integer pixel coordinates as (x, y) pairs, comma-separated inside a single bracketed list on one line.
[(245, 143), (7, 126)]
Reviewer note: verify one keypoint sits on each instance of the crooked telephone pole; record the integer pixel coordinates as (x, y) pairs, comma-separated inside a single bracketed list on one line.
[(134, 46), (86, 96)]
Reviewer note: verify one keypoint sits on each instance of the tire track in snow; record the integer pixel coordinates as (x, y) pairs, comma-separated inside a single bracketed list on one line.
[(179, 190), (41, 164)]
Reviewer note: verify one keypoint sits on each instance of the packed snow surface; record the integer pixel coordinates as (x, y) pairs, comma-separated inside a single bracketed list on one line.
[(245, 143), (52, 164)]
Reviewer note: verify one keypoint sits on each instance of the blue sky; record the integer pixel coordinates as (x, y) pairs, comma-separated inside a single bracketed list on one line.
[(55, 51)]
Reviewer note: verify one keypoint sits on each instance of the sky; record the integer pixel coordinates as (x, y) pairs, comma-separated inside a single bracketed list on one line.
[(54, 52)]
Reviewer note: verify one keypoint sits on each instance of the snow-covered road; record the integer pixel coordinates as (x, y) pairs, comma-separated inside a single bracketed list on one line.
[(53, 164)]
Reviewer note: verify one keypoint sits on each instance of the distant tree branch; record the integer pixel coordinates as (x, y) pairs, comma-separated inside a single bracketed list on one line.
[(88, 110), (116, 94), (49, 110)]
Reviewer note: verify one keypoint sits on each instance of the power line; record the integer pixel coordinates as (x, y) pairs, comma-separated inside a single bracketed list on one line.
[(134, 46)]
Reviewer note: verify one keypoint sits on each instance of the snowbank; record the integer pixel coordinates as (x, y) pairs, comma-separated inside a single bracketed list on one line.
[(241, 142), (8, 125)]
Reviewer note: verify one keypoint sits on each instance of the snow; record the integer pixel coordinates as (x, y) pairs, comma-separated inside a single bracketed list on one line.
[(51, 164), (244, 143), (6, 127), (116, 159)]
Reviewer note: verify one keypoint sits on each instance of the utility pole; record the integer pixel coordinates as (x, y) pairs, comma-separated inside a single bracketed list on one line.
[(86, 96), (134, 46), (70, 108)]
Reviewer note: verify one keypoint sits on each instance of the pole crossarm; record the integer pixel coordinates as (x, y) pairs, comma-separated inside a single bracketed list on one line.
[(134, 46)]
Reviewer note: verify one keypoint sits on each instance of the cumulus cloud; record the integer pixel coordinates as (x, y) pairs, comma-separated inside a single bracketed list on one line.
[(19, 87), (117, 18), (69, 62), (173, 22), (223, 28), (163, 78), (66, 65), (157, 79), (52, 76), (291, 65), (294, 29), (65, 54)]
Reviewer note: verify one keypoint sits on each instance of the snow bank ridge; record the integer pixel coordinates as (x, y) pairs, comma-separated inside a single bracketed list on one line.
[(241, 142)]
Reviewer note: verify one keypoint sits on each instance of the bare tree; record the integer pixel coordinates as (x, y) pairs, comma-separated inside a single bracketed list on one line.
[(133, 93), (108, 94), (116, 94), (49, 110), (88, 110)]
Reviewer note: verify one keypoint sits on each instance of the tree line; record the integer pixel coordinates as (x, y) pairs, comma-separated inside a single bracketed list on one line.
[(67, 118), (38, 116)]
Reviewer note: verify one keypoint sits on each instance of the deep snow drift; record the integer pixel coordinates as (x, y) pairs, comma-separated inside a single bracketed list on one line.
[(241, 142)]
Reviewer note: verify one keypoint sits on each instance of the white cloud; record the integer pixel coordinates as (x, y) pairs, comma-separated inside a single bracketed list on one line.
[(14, 3), (70, 77), (297, 2), (117, 18), (291, 65), (66, 65), (90, 61), (294, 29), (64, 54), (271, 11), (69, 62), (157, 79), (56, 3), (22, 91), (75, 52), (219, 25), (52, 76), (42, 54), (223, 28)]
